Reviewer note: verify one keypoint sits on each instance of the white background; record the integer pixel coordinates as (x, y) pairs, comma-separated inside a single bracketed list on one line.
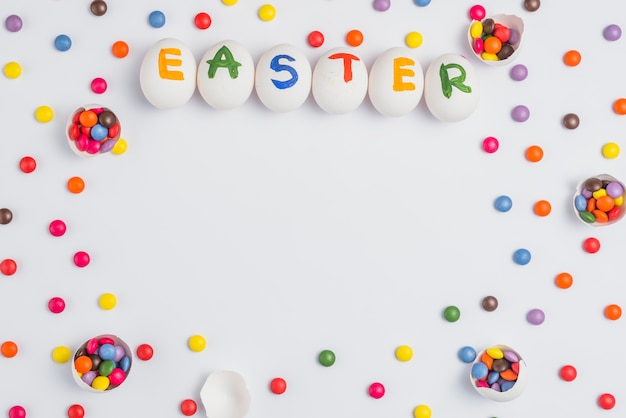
[(279, 235)]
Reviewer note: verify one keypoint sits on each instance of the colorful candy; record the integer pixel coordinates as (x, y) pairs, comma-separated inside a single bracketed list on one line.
[(606, 401), (489, 303), (76, 185), (599, 200), (520, 113), (491, 40), (6, 216), (534, 153), (267, 12), (610, 150), (81, 259), (75, 411), (8, 267), (519, 72), (532, 5), (13, 23), (12, 70), (572, 58), (44, 114), (315, 39), (591, 245), (497, 368), (8, 349), (404, 353), (17, 411), (98, 7), (619, 106), (568, 373), (62, 43), (102, 363), (376, 390), (278, 386), (202, 20), (188, 407), (563, 280), (467, 354), (57, 228), (196, 343), (422, 411), (326, 358), (119, 49), (107, 301), (522, 256), (382, 5), (61, 354), (156, 19), (542, 208), (452, 313), (571, 121), (93, 130), (613, 312), (354, 37), (145, 352), (490, 144), (98, 86), (536, 316), (56, 305), (612, 32)]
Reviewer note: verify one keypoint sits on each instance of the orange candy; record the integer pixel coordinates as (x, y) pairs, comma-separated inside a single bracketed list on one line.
[(605, 203), (591, 204), (120, 49), (563, 280), (619, 106), (88, 118), (613, 312), (492, 45), (76, 185), (354, 37), (600, 216), (8, 349), (542, 208), (508, 374), (572, 58), (83, 364), (486, 358), (534, 153)]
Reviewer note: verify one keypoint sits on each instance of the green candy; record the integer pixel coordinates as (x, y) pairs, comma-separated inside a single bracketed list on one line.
[(587, 216), (106, 367), (327, 358), (452, 314)]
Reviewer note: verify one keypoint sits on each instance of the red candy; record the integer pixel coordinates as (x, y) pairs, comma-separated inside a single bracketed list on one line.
[(202, 20), (188, 407), (316, 39), (606, 401), (278, 386), (568, 373), (501, 32), (477, 12), (28, 164), (591, 245), (145, 352), (75, 411), (8, 267)]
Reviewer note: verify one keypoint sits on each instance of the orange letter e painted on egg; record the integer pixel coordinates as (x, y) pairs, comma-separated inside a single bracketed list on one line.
[(399, 72), (164, 63), (347, 64)]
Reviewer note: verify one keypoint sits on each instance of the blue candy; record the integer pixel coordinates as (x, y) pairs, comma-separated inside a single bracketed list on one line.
[(467, 354), (156, 19), (106, 352), (479, 370), (493, 377), (580, 202), (503, 203), (507, 385), (62, 42), (125, 364), (521, 256), (99, 132)]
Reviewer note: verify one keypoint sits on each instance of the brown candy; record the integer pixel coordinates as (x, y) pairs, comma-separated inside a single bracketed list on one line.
[(490, 303), (593, 184), (500, 365), (532, 5), (98, 7), (107, 118), (6, 216), (505, 52), (571, 121), (488, 25)]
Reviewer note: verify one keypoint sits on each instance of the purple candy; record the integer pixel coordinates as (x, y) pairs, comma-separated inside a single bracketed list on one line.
[(519, 72), (511, 356), (108, 145), (513, 36), (614, 189), (536, 316), (119, 353), (612, 33), (520, 113), (88, 377), (382, 5), (496, 387), (586, 193), (13, 23)]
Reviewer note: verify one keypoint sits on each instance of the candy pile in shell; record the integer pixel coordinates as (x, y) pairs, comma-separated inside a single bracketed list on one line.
[(496, 40), (499, 373), (599, 200), (102, 363), (93, 130)]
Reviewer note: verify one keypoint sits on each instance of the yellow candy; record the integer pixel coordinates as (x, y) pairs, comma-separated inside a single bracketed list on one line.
[(610, 150), (476, 29), (120, 147), (422, 411), (267, 12), (61, 354), (495, 353), (413, 40), (489, 57), (229, 2), (599, 193), (44, 114), (100, 383), (197, 343), (12, 69), (619, 201), (404, 353), (107, 301)]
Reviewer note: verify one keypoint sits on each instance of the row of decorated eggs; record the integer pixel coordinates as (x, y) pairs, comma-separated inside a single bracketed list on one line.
[(283, 79)]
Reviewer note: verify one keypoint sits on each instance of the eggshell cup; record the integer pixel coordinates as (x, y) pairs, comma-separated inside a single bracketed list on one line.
[(513, 23), (579, 191), (509, 395), (106, 145), (81, 350), (225, 395)]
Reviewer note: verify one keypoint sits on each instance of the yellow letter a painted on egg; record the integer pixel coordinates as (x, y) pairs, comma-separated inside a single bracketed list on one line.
[(164, 63), (398, 72)]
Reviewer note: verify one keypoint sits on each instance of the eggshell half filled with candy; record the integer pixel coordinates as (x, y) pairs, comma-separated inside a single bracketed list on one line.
[(92, 130), (509, 31), (599, 200), (506, 374), (451, 88), (102, 363)]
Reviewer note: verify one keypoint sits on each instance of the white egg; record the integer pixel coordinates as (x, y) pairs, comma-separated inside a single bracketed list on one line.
[(168, 74), (451, 88), (339, 82), (396, 82), (283, 78), (226, 75)]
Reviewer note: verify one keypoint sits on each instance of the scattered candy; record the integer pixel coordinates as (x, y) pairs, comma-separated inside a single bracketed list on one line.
[(572, 58), (44, 114), (81, 259), (404, 353), (503, 203), (278, 386), (490, 144), (196, 343), (93, 131), (600, 200), (522, 256), (376, 390), (13, 23), (316, 39), (156, 19), (17, 411), (62, 43), (229, 2), (107, 301), (354, 37), (591, 245), (145, 352), (12, 70), (568, 373), (612, 32), (535, 316), (613, 312), (8, 349), (534, 153), (451, 313), (202, 20), (382, 5), (102, 363), (6, 216), (519, 72), (520, 113), (532, 5), (61, 354), (610, 150), (98, 7), (489, 303), (98, 85), (57, 228), (542, 208), (188, 407), (619, 106), (75, 411), (606, 401), (76, 185), (563, 280), (267, 12), (467, 354), (421, 3), (326, 358), (56, 305), (119, 49), (477, 12), (422, 411), (571, 121), (413, 39), (8, 267)]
